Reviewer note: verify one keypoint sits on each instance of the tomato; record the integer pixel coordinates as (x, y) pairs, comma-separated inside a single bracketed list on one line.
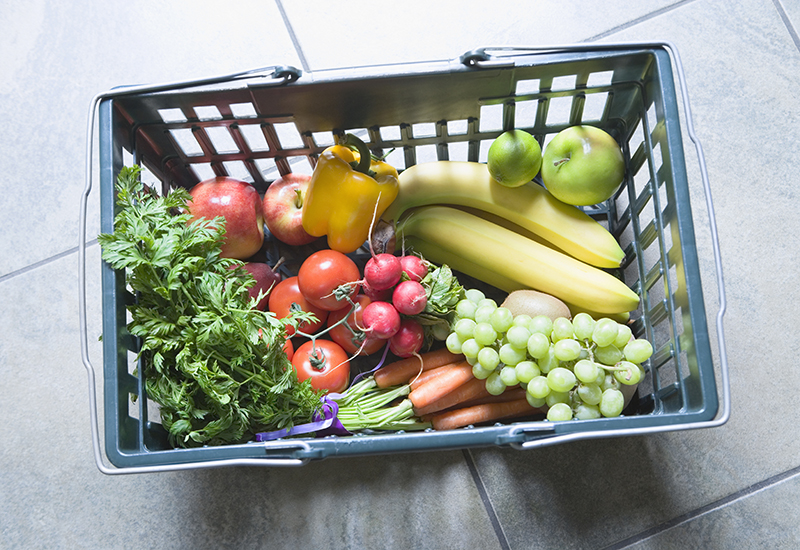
[(288, 347), (324, 272), (325, 363), (284, 295), (349, 334)]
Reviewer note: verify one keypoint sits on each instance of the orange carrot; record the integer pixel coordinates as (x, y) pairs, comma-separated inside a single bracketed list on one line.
[(511, 394), (420, 378), (465, 392), (400, 371), (435, 389), (479, 414)]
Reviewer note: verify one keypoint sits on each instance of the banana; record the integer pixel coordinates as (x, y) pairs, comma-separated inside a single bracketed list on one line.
[(473, 240), (530, 206)]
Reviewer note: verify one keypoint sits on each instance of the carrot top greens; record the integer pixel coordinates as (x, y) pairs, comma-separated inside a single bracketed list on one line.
[(212, 362)]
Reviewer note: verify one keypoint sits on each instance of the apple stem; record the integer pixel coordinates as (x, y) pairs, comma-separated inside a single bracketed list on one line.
[(298, 199), (279, 263), (559, 162)]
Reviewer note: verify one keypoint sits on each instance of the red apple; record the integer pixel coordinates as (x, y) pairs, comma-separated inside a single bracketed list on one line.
[(266, 278), (239, 203), (283, 209)]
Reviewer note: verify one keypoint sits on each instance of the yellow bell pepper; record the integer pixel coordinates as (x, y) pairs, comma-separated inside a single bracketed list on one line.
[(346, 192)]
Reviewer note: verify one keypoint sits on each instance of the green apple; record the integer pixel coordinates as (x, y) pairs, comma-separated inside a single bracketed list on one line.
[(582, 165)]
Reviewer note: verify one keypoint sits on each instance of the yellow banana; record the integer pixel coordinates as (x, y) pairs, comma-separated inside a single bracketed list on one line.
[(516, 258), (530, 206)]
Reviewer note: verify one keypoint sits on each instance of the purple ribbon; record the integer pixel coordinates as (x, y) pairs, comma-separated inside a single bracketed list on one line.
[(325, 423)]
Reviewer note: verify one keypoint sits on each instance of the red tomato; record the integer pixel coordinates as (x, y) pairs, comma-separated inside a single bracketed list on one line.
[(349, 334), (284, 295), (288, 347), (325, 363), (325, 271)]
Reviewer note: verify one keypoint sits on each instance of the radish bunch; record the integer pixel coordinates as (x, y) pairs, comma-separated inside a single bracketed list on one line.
[(395, 300)]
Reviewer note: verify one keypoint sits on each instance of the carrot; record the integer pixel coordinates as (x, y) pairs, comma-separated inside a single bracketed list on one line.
[(471, 389), (435, 389), (509, 395), (478, 414), (400, 371), (419, 378)]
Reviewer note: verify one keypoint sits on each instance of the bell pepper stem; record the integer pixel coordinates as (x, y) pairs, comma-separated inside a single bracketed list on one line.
[(365, 158)]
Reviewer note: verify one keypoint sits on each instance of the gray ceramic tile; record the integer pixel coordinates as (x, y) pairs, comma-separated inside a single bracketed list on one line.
[(53, 495), (65, 54), (419, 30)]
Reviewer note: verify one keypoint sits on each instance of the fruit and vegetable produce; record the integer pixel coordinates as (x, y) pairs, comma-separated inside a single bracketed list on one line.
[(582, 165), (283, 209), (514, 158)]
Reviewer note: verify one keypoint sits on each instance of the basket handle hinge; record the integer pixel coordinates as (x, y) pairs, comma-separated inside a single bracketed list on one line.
[(479, 59)]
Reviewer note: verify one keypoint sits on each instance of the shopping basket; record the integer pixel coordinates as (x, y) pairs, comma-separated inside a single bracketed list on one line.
[(258, 125)]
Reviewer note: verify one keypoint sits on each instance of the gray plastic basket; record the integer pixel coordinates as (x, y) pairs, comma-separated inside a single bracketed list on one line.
[(258, 124)]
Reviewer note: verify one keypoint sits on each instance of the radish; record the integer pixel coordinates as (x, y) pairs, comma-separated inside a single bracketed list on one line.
[(410, 298), (414, 267), (381, 320), (382, 271), (408, 340)]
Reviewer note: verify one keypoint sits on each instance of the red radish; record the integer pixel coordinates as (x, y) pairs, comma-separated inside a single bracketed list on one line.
[(408, 340), (384, 295), (382, 271), (410, 298), (381, 319), (414, 267)]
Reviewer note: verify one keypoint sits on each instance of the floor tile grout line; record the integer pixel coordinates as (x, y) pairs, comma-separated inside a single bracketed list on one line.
[(487, 503), (787, 22), (634, 22), (40, 263), (742, 494), (293, 36)]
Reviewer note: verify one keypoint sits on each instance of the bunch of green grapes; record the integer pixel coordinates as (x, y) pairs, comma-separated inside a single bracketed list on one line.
[(575, 368)]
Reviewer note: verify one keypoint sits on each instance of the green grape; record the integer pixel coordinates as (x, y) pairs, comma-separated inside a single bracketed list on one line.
[(522, 320), (560, 379), (548, 362), (609, 382), (541, 323), (630, 376), (465, 328), (605, 332), (535, 402), (509, 376), (586, 371), (453, 343), (538, 387), (484, 334), (481, 373), (488, 358), (501, 319), (562, 328), (474, 295), (590, 393), (582, 326), (585, 411), (623, 336), (484, 313), (601, 375), (470, 348), (465, 309), (567, 349), (612, 403), (495, 384), (559, 412), (638, 351), (518, 336), (557, 397), (608, 355), (487, 302), (538, 345), (526, 371), (511, 355), (471, 360)]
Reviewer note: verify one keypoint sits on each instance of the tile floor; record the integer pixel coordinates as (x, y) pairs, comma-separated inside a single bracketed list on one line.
[(736, 486)]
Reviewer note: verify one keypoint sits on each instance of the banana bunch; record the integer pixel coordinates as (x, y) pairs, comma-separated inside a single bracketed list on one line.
[(511, 238)]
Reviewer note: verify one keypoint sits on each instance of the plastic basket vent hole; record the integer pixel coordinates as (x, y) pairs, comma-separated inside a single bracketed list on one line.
[(323, 139), (236, 169), (601, 78), (483, 152), (288, 136), (203, 171), (426, 153), (208, 112), (222, 140), (396, 158), (243, 110), (525, 87), (558, 111), (525, 114), (172, 115), (360, 133), (268, 168), (423, 129), (254, 137), (390, 133), (563, 83), (133, 406), (301, 165), (185, 141), (458, 150), (491, 118), (457, 127), (594, 107)]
